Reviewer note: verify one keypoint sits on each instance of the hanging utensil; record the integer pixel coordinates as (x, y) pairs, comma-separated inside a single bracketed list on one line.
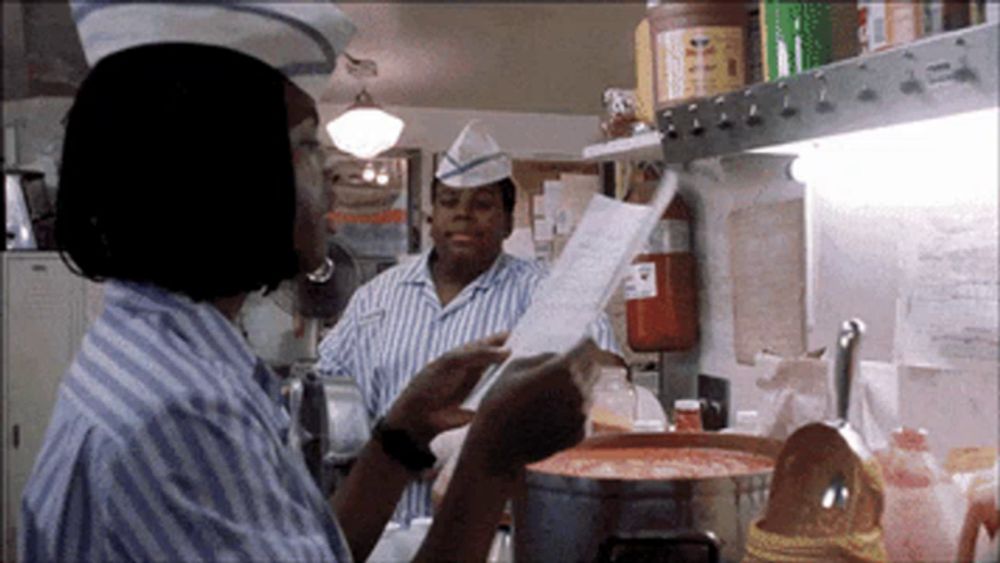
[(846, 364), (826, 485), (837, 491)]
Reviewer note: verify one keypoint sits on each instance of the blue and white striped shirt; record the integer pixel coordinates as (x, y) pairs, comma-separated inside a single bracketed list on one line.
[(395, 325), (167, 444)]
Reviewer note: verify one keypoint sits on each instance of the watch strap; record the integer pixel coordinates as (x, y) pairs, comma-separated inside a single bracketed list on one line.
[(398, 445)]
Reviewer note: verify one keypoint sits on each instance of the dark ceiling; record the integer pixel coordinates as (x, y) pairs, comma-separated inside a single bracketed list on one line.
[(42, 54)]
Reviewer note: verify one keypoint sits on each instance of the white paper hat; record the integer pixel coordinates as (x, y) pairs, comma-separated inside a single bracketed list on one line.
[(301, 39), (473, 160)]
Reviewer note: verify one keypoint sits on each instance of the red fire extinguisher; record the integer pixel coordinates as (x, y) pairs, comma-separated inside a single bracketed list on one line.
[(661, 297)]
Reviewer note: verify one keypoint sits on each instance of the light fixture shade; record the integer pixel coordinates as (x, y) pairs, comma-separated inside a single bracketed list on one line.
[(364, 132)]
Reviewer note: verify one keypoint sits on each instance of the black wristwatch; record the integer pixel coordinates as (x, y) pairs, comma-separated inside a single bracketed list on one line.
[(398, 445)]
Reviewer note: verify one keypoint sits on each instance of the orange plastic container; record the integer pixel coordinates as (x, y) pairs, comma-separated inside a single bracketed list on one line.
[(661, 296)]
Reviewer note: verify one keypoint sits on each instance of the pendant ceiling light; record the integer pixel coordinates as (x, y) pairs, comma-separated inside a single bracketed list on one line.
[(364, 130)]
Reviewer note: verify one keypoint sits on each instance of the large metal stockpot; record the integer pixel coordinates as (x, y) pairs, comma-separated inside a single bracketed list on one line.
[(566, 518)]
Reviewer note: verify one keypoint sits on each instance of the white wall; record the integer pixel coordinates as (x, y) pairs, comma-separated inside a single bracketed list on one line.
[(881, 220), (714, 190)]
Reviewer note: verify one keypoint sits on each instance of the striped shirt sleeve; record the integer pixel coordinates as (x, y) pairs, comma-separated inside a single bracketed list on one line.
[(184, 488), (340, 353), (334, 359)]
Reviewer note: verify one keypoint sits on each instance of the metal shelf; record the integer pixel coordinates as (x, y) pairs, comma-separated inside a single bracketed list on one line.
[(644, 146), (941, 75)]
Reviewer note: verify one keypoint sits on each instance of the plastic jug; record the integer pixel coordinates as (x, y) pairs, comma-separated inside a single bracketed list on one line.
[(614, 403), (924, 508)]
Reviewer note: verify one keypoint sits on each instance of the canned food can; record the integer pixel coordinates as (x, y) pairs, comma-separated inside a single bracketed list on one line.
[(698, 50), (883, 25), (795, 36)]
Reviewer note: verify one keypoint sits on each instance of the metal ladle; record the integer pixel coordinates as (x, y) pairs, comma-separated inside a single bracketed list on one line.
[(846, 364), (822, 485), (837, 492)]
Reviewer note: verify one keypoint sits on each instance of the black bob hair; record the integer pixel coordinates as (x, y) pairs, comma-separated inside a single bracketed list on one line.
[(508, 192), (177, 172)]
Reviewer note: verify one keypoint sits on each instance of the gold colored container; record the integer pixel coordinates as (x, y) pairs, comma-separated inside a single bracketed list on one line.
[(699, 49)]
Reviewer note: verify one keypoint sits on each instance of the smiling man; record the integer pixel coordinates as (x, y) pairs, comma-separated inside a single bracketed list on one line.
[(463, 289)]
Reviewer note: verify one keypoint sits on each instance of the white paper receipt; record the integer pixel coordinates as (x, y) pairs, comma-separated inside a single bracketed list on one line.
[(591, 266)]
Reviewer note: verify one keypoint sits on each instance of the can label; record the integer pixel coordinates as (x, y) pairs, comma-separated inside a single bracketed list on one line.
[(640, 283), (699, 61), (795, 36), (882, 25), (947, 15), (669, 236)]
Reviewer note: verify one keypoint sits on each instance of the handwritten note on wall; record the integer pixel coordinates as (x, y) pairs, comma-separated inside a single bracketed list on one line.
[(768, 265), (947, 314)]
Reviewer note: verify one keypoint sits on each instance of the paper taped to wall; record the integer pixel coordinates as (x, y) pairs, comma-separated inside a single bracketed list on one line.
[(947, 313), (768, 266), (583, 279)]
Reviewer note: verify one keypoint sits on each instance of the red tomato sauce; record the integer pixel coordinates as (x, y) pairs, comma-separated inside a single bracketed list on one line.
[(653, 463)]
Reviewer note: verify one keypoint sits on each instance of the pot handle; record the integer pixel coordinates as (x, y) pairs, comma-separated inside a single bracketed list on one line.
[(643, 545)]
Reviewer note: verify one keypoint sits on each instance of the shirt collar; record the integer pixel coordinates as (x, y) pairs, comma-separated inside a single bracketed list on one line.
[(419, 272), (202, 326)]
